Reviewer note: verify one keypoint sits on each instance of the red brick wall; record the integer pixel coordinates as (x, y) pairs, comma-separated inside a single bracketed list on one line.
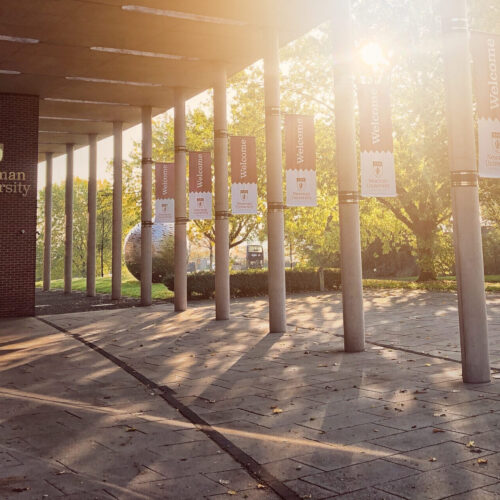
[(19, 136)]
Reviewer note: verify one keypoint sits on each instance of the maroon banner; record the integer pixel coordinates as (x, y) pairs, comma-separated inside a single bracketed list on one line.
[(200, 172), (300, 150), (375, 118), (243, 175), (243, 160), (200, 185), (165, 192), (299, 142), (378, 176), (165, 180), (485, 50)]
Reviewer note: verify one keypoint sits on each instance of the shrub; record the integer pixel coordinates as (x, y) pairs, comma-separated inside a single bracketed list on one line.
[(253, 282)]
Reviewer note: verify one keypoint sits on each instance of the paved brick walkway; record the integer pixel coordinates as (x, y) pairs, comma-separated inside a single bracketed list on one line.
[(302, 417)]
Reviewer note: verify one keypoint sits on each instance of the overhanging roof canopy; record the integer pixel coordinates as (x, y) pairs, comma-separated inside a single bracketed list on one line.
[(93, 62)]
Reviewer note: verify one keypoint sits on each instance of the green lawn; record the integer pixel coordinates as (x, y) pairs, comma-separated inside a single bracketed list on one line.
[(130, 287), (443, 284)]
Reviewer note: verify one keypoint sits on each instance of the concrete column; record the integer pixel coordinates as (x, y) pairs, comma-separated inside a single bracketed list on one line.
[(465, 197), (68, 208), (146, 200), (222, 293), (48, 223), (275, 219), (180, 257), (92, 216), (347, 165), (116, 260)]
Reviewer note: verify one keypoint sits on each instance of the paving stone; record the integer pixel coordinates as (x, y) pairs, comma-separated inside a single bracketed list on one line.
[(368, 494), (70, 483), (340, 421), (436, 456), (100, 494), (418, 420), (493, 488), (307, 490), (438, 483), (474, 425), (191, 450), (252, 494), (418, 438), (358, 433), (343, 456), (479, 494), (24, 488), (8, 460), (486, 440), (235, 479), (188, 489), (173, 468), (287, 469), (478, 408), (491, 468), (360, 476)]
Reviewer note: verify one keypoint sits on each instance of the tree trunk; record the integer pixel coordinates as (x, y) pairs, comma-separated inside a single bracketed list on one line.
[(426, 241)]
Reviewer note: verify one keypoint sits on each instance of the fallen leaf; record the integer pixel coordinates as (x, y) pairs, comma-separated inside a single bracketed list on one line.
[(261, 486), (223, 481), (470, 444), (277, 410), (433, 459), (428, 364), (482, 461), (231, 492), (435, 431), (131, 429)]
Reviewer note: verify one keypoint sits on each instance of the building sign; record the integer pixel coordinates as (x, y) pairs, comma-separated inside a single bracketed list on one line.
[(13, 182), (200, 185), (378, 176), (485, 53), (243, 175), (300, 161), (165, 193)]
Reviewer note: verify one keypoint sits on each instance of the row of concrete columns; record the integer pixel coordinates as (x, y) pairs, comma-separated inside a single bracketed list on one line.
[(470, 276), (275, 202), (92, 217)]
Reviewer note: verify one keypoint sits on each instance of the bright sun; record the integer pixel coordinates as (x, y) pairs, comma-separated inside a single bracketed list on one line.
[(373, 55)]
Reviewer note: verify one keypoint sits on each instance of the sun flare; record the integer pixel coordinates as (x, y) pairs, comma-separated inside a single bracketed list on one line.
[(373, 55)]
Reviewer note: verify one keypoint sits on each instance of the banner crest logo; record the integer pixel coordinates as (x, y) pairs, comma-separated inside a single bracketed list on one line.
[(495, 138), (378, 168)]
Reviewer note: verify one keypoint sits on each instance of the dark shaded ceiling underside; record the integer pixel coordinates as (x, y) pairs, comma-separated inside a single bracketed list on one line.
[(93, 62)]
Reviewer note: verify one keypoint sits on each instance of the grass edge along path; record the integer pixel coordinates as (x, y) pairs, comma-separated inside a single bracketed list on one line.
[(132, 288)]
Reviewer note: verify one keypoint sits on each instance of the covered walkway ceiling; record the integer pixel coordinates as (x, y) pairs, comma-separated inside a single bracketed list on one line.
[(93, 62)]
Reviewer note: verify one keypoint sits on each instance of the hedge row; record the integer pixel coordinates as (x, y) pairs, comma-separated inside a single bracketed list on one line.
[(253, 282)]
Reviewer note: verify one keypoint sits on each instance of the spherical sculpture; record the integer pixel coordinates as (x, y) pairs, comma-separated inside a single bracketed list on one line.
[(162, 249)]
